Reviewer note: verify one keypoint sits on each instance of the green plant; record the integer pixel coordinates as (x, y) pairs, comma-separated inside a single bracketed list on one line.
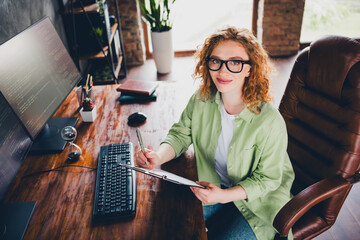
[(97, 33), (319, 14), (87, 104), (157, 13), (101, 7)]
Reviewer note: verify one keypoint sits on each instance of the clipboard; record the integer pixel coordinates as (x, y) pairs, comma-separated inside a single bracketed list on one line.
[(164, 175)]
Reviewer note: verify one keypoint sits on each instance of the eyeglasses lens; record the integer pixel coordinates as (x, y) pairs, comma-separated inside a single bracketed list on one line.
[(234, 66)]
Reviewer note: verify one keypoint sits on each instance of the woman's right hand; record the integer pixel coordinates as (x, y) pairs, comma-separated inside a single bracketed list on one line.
[(151, 161)]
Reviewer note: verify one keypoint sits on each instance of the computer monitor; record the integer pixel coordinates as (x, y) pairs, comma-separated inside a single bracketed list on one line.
[(14, 145), (36, 75)]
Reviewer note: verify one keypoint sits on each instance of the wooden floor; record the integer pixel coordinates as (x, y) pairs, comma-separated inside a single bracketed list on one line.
[(347, 226)]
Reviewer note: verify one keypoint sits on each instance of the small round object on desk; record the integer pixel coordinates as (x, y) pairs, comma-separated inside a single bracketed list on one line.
[(136, 119)]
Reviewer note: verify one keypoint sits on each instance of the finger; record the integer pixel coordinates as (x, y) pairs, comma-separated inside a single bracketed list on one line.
[(201, 198), (194, 190), (196, 194), (205, 184), (152, 158), (200, 193), (149, 153), (141, 162), (140, 155)]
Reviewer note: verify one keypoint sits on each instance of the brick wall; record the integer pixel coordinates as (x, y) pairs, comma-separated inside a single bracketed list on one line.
[(132, 31), (279, 25)]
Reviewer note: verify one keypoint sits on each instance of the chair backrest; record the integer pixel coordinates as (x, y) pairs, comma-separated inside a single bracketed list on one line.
[(321, 108)]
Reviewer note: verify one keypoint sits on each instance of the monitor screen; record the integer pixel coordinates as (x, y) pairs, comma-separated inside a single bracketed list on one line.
[(36, 74), (14, 145)]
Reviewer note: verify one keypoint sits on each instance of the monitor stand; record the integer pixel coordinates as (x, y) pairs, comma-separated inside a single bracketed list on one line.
[(49, 139), (14, 219)]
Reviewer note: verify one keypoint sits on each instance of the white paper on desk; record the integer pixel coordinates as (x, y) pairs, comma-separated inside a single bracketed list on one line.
[(167, 176)]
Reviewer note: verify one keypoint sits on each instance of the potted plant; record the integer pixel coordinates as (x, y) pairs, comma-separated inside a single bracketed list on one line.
[(88, 110), (157, 14)]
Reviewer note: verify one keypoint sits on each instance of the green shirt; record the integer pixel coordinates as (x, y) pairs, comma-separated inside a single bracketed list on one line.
[(257, 158)]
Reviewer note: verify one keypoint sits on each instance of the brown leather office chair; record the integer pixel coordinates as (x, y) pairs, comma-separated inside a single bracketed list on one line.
[(321, 108)]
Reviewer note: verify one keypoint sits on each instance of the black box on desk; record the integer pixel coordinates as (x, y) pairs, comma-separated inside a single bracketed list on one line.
[(137, 98)]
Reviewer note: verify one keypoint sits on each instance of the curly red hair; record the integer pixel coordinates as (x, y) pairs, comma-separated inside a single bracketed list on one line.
[(256, 86)]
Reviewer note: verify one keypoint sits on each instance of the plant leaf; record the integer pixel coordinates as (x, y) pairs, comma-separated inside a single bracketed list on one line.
[(157, 14)]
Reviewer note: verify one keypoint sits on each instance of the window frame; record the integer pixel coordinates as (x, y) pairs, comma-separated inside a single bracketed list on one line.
[(191, 52)]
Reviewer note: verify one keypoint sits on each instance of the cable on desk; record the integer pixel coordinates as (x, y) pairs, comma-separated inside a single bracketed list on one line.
[(56, 169)]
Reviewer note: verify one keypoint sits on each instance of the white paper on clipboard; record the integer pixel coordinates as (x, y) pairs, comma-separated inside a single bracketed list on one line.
[(167, 176)]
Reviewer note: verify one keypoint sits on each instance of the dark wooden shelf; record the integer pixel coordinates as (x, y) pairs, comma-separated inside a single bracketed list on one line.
[(97, 55), (107, 63), (100, 54), (92, 8)]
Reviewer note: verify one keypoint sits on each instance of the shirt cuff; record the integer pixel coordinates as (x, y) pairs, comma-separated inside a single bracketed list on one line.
[(177, 147), (251, 189)]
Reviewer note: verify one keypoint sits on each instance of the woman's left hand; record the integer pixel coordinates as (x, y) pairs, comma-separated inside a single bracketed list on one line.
[(212, 193)]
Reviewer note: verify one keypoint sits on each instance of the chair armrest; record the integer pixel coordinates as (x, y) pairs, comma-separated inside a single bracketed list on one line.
[(305, 200)]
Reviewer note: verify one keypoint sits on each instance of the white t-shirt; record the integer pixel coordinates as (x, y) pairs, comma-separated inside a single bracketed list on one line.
[(227, 129)]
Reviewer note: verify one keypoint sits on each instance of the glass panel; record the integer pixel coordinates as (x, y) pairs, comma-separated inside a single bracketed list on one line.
[(193, 21), (338, 17)]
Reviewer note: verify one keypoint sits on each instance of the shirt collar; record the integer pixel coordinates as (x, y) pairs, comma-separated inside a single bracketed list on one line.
[(245, 114)]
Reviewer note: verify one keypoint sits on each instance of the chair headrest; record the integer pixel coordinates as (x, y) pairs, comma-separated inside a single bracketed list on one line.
[(330, 59)]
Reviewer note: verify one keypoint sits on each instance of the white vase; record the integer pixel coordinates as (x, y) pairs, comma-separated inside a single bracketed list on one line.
[(162, 50), (88, 116)]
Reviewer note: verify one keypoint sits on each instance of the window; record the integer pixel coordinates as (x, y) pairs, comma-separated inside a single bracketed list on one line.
[(193, 21), (337, 17)]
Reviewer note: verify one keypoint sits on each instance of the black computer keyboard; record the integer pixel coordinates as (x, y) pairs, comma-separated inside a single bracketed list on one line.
[(115, 189)]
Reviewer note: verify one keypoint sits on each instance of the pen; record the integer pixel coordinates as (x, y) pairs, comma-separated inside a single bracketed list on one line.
[(90, 86), (141, 143), (87, 83)]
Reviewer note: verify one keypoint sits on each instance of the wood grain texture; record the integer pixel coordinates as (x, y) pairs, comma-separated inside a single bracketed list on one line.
[(65, 197)]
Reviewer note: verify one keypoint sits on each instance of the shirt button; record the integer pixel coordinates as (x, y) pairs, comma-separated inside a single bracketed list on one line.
[(243, 209), (255, 227), (230, 147)]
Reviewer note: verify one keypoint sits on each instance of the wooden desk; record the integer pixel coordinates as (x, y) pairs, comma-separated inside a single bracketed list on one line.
[(65, 197)]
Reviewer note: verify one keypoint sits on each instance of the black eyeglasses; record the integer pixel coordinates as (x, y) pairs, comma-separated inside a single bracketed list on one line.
[(234, 66)]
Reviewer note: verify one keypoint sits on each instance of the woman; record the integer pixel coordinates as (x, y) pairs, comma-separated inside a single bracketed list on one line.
[(239, 139)]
